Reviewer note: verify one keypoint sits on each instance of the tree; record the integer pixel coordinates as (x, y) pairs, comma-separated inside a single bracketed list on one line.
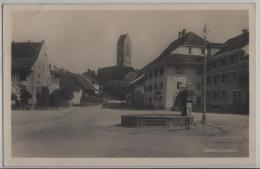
[(66, 94), (25, 95), (116, 88), (13, 96), (60, 97)]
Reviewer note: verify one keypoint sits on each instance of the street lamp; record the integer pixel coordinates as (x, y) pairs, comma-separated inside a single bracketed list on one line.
[(204, 32)]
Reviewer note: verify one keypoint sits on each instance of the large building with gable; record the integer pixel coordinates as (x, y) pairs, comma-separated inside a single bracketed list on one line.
[(179, 66), (228, 76), (30, 69)]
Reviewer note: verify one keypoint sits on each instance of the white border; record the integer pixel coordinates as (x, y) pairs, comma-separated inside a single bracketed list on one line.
[(163, 162)]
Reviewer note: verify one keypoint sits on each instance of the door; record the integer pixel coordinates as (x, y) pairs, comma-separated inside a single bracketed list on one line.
[(236, 97)]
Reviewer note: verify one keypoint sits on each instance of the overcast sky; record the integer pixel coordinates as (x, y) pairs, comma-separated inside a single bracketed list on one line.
[(78, 40)]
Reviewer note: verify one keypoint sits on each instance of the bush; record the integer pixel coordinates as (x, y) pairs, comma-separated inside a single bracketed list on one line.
[(43, 97), (60, 97), (56, 99), (25, 95)]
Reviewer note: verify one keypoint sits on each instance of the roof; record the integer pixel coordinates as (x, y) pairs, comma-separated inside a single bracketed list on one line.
[(189, 39), (24, 54), (235, 43), (122, 38), (137, 79)]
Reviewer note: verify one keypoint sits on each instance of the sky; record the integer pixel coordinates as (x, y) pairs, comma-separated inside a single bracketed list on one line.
[(81, 40)]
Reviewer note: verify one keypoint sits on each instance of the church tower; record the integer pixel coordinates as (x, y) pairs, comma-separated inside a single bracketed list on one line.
[(124, 51)]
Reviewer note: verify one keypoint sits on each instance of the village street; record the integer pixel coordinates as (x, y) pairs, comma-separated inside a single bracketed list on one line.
[(96, 132)]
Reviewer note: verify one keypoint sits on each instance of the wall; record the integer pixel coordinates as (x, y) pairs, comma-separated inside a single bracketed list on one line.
[(229, 85), (191, 75), (185, 50)]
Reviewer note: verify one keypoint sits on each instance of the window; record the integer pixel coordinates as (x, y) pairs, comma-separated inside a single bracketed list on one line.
[(150, 75), (202, 51), (198, 86), (150, 88), (215, 94), (223, 78), (227, 77), (215, 64), (215, 79), (232, 76), (22, 76), (199, 71), (232, 59), (155, 86), (224, 94), (179, 70), (38, 75), (145, 88), (208, 94), (209, 80), (155, 73), (161, 85), (190, 52), (223, 61), (161, 71), (179, 85)]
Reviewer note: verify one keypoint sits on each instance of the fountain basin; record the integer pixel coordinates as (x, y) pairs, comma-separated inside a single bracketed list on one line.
[(168, 120)]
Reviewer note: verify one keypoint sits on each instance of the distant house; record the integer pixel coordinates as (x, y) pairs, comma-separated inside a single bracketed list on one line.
[(228, 75), (136, 96), (76, 98), (29, 68), (94, 83)]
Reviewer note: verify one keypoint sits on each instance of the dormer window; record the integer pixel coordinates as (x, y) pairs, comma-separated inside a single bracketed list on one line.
[(190, 52), (202, 51)]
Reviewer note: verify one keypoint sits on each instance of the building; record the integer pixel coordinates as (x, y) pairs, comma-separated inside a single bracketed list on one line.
[(77, 95), (228, 76), (179, 66), (55, 78), (124, 51), (30, 69), (135, 98), (94, 83)]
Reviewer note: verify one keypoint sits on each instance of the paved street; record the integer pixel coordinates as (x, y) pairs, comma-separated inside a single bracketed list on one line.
[(95, 132)]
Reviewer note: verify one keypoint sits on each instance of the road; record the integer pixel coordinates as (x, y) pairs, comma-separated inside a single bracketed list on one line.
[(95, 132)]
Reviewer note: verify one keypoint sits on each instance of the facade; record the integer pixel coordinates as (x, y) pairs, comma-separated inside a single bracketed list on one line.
[(55, 79), (136, 96), (76, 98), (179, 66), (124, 51), (228, 76), (30, 69)]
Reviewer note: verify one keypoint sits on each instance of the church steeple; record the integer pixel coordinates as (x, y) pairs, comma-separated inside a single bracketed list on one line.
[(124, 51)]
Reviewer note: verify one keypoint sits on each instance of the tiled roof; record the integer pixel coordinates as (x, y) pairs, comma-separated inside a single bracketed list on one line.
[(24, 54), (189, 39), (235, 43)]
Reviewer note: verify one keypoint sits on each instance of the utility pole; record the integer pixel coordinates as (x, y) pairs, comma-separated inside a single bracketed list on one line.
[(204, 34)]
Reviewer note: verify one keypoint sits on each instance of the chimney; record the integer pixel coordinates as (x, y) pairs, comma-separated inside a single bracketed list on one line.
[(244, 31)]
